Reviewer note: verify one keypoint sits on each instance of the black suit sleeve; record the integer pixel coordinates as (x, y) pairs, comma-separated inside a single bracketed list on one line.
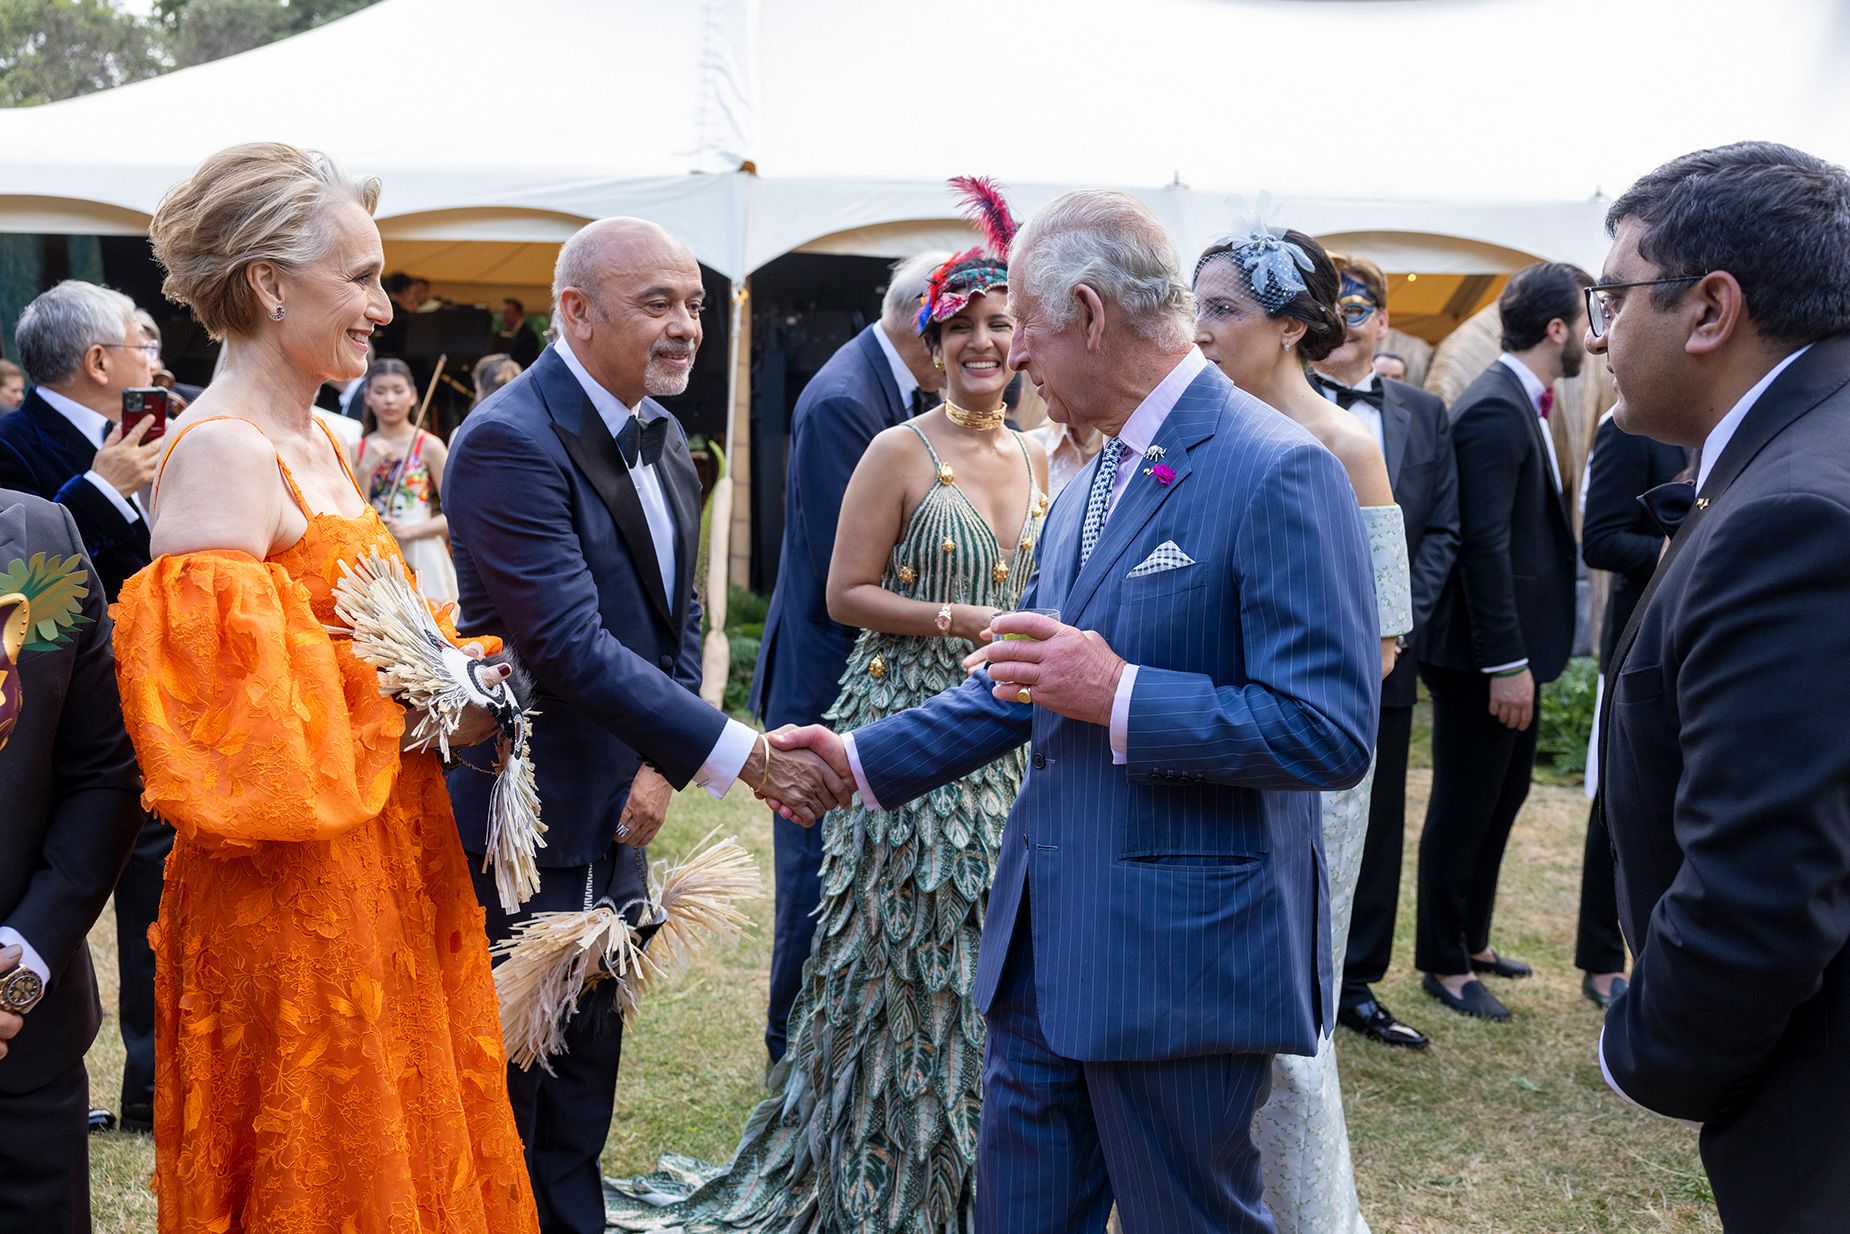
[(1761, 904), (1490, 440), (1432, 562), (99, 523), (96, 792), (1618, 472), (825, 447), (512, 509)]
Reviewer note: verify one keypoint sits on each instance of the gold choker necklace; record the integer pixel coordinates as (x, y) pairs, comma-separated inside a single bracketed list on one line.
[(981, 421)]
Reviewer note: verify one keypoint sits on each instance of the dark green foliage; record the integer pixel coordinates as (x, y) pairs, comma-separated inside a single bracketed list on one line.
[(743, 652), (1567, 717)]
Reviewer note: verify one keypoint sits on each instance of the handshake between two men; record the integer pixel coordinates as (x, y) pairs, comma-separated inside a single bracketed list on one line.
[(1031, 659)]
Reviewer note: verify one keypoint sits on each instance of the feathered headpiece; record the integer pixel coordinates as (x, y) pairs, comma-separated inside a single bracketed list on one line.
[(975, 271)]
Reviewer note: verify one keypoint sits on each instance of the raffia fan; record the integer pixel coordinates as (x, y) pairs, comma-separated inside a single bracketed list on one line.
[(554, 959), (392, 629)]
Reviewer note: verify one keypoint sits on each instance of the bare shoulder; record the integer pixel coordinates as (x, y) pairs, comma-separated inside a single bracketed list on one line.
[(218, 488)]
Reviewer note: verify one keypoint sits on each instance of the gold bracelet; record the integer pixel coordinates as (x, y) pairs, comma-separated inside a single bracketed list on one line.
[(943, 620)]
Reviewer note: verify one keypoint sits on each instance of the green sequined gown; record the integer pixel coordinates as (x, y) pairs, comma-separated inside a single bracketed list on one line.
[(872, 1117)]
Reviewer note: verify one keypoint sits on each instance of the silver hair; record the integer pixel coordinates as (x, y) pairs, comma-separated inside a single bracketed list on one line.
[(899, 310), (576, 267), (1112, 243), (149, 326), (62, 324)]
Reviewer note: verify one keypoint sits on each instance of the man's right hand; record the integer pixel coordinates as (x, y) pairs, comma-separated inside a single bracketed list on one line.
[(1512, 700), (128, 463), (798, 782)]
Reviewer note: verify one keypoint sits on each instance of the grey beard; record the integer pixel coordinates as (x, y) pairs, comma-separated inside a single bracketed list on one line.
[(661, 381)]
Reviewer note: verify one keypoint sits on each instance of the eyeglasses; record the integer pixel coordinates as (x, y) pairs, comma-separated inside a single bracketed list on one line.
[(1599, 306), (150, 350)]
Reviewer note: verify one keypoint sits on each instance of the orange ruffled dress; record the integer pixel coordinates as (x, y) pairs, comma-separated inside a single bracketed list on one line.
[(329, 1054)]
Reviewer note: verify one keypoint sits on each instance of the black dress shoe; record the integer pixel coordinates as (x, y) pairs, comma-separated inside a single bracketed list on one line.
[(1499, 966), (1377, 1023), (101, 1120), (1602, 1001), (1473, 1000), (138, 1118)]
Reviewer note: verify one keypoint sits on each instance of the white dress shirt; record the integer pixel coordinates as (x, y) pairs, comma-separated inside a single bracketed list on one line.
[(1366, 412), (727, 758), (1135, 437), (1723, 432), (902, 376), (93, 425), (1065, 457)]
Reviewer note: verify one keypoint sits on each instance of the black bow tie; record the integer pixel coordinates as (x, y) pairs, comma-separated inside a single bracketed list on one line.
[(1348, 396), (918, 401), (637, 440), (1669, 504)]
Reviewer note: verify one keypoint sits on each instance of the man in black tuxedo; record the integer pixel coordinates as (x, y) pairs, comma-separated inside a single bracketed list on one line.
[(1504, 625), (83, 345), (1416, 436), (1619, 534), (877, 379), (68, 778), (1725, 316), (574, 523)]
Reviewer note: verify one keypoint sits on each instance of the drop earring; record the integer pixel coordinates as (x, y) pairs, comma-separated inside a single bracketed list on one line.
[(937, 362)]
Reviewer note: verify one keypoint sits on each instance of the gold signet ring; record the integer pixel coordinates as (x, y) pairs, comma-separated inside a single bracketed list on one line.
[(1025, 695)]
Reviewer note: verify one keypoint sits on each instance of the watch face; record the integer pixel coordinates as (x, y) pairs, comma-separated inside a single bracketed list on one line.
[(20, 989)]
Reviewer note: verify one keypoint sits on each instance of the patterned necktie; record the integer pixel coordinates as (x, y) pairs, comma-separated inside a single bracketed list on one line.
[(1099, 499)]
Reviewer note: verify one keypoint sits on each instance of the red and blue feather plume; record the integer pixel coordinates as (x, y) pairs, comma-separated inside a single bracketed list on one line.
[(974, 271)]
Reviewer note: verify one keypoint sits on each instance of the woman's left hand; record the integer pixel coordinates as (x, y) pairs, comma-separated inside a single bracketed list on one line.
[(1390, 655)]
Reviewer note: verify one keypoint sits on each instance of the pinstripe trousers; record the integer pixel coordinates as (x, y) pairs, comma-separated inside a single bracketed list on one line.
[(1170, 1141)]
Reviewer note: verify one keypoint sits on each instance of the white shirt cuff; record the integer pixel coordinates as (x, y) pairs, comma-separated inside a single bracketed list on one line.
[(1121, 716), (860, 777), (9, 937), (727, 758), (1613, 1084), (1504, 668), (121, 503)]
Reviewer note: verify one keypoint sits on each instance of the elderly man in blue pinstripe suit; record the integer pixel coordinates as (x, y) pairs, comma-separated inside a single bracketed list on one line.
[(1159, 924)]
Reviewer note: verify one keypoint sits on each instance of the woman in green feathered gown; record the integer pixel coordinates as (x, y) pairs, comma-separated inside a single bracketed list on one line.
[(871, 1122)]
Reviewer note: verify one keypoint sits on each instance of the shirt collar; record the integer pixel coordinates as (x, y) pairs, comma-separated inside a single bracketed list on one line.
[(610, 408), (92, 424), (1141, 429), (1530, 382), (1723, 432), (902, 376)]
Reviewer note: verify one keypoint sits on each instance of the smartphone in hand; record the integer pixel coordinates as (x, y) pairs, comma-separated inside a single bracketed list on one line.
[(146, 403)]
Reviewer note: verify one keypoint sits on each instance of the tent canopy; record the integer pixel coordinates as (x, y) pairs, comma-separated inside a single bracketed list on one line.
[(754, 129)]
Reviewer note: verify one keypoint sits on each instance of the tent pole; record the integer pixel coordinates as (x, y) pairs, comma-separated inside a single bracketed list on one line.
[(716, 657)]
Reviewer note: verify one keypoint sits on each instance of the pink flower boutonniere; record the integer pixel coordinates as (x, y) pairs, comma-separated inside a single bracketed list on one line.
[(1161, 472)]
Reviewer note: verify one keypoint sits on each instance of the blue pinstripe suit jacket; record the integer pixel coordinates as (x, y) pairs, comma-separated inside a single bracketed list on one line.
[(1179, 901)]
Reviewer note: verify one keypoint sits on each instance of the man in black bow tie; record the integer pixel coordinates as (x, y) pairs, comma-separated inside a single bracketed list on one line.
[(1724, 313), (1411, 427), (574, 523)]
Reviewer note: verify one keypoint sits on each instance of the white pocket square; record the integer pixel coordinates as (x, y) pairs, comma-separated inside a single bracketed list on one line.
[(1166, 556)]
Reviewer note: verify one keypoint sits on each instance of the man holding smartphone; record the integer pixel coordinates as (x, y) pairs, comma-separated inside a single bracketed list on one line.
[(82, 347)]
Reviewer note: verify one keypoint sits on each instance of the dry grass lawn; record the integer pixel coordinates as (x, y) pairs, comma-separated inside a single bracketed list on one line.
[(1499, 1129)]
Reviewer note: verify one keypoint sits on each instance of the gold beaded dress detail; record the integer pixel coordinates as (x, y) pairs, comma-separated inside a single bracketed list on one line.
[(871, 1121)]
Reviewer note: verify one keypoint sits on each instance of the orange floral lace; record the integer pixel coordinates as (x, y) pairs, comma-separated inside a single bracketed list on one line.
[(329, 1055)]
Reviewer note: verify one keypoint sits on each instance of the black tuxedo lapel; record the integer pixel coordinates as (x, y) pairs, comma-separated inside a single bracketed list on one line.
[(586, 438), (682, 482), (1539, 426), (76, 452), (1394, 423)]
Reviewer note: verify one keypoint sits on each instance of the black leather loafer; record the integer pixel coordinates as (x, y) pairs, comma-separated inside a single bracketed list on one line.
[(1500, 966), (1603, 1002), (1474, 1000), (1377, 1023), (101, 1120)]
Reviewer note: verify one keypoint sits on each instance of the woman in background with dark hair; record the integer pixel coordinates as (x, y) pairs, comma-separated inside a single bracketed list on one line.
[(1266, 304), (401, 467)]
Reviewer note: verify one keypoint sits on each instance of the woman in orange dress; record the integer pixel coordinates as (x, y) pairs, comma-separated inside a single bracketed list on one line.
[(329, 1054)]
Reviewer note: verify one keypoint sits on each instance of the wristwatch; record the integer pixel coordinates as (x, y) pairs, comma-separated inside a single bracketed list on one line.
[(20, 989)]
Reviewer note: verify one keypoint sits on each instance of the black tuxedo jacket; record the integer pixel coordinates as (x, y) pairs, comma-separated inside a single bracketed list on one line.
[(1616, 532), (553, 553), (1725, 782), (69, 800), (841, 410), (43, 454), (1423, 470), (1511, 596)]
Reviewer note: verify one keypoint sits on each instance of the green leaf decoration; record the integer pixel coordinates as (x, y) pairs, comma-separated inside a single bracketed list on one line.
[(55, 588)]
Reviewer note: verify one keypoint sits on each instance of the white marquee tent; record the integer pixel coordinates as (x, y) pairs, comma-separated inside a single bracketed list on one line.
[(1472, 133)]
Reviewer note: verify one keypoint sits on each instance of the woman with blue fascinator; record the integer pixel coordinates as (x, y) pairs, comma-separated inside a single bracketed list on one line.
[(1267, 304)]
